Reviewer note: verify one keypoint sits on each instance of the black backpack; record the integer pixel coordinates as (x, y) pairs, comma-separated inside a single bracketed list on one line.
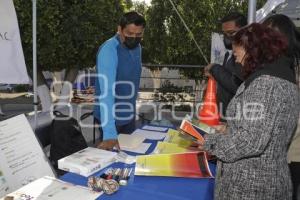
[(66, 138)]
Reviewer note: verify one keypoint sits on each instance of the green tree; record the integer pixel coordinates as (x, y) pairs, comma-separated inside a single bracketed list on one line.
[(167, 40), (68, 32)]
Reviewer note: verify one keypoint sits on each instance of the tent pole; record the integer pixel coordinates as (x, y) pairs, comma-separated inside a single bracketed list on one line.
[(34, 62), (251, 11)]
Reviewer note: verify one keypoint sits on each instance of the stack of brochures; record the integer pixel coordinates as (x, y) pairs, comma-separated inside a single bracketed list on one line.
[(87, 161), (174, 142), (174, 157)]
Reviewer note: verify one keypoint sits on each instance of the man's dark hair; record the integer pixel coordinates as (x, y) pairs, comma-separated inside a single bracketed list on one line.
[(239, 19), (132, 18)]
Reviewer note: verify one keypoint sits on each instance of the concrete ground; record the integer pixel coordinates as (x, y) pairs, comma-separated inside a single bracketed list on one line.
[(14, 104)]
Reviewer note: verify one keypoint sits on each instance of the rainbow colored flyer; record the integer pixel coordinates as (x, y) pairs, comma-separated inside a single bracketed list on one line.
[(193, 130), (189, 165)]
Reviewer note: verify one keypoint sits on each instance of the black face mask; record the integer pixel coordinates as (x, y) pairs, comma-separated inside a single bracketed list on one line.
[(227, 43), (132, 42)]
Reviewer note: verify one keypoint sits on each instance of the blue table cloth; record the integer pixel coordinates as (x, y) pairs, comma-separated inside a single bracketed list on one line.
[(152, 188)]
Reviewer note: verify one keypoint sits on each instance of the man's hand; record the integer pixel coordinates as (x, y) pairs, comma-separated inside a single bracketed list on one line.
[(109, 144), (207, 69)]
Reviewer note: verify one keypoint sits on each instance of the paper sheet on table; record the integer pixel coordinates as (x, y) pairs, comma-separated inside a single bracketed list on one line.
[(125, 158), (140, 149), (154, 128), (22, 159), (130, 141), (151, 135), (48, 188)]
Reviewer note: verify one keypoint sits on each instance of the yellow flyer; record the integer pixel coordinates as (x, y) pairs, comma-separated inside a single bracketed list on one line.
[(165, 147), (174, 136)]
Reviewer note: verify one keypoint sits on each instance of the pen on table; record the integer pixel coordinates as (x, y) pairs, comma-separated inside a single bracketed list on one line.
[(125, 174), (121, 174), (129, 173), (116, 174), (124, 179)]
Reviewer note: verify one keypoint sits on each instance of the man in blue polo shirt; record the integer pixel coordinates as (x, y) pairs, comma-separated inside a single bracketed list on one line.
[(119, 71)]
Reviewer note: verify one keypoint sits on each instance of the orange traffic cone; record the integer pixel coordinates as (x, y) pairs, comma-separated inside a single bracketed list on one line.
[(209, 112)]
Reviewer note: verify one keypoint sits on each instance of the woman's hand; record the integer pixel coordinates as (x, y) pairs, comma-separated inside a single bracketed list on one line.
[(196, 146), (220, 128)]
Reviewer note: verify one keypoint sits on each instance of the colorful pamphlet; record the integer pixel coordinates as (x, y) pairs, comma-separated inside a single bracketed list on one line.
[(196, 130), (182, 140), (168, 148), (87, 161), (48, 188), (190, 165), (207, 129)]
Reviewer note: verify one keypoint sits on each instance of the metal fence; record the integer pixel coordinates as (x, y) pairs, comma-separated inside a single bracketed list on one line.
[(166, 83), (166, 93)]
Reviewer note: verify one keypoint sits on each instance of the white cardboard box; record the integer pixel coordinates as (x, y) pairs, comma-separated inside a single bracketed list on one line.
[(87, 161)]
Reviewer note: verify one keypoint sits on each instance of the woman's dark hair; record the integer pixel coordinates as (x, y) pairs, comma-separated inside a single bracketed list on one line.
[(262, 45), (284, 25), (132, 18)]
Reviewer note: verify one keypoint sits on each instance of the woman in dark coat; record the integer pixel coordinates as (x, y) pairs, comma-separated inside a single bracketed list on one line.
[(261, 118), (285, 25)]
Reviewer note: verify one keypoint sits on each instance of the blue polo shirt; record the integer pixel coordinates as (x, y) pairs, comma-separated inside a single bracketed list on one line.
[(119, 71)]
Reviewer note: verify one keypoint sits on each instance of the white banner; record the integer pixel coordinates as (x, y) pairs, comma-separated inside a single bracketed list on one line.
[(218, 49), (12, 64)]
